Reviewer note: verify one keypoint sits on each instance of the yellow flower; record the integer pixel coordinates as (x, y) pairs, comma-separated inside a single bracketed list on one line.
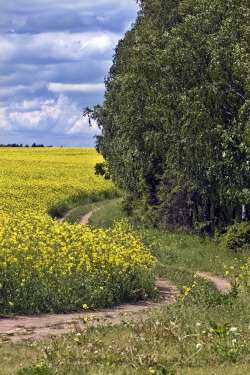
[(32, 182)]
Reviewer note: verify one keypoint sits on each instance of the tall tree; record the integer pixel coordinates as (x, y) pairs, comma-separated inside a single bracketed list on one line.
[(176, 108)]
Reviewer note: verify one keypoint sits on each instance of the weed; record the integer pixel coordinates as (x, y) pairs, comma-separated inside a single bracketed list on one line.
[(36, 370)]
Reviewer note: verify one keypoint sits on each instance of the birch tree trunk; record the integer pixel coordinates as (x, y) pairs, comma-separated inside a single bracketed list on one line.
[(243, 213)]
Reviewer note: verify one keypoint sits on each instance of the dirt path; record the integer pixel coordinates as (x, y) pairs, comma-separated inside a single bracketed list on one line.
[(221, 284), (67, 214), (35, 328), (86, 217)]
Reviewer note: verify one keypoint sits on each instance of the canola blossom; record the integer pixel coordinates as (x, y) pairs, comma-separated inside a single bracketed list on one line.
[(37, 178), (46, 266)]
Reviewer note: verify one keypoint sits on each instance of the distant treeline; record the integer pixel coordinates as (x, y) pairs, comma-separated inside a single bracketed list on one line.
[(21, 145)]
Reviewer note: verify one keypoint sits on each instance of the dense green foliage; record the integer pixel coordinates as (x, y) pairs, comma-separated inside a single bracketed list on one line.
[(175, 119), (236, 236)]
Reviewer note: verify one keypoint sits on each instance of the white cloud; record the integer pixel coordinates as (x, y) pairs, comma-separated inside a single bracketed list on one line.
[(86, 87), (3, 121), (7, 48), (30, 104), (27, 120), (49, 46), (11, 90), (82, 126), (58, 116), (76, 4)]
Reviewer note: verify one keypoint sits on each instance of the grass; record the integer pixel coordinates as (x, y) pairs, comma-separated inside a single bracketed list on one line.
[(102, 218), (109, 212), (204, 332), (76, 215), (81, 202), (13, 357), (170, 341)]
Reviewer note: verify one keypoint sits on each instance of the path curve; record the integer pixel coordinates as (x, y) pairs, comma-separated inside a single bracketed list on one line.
[(86, 217), (65, 215), (221, 284), (35, 328)]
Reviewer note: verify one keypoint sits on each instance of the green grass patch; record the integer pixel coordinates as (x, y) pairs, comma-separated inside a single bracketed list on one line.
[(108, 213), (82, 199), (178, 339), (13, 357), (76, 215)]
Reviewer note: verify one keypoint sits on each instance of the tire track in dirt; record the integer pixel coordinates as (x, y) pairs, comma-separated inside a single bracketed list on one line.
[(86, 217), (65, 215), (221, 284), (36, 328)]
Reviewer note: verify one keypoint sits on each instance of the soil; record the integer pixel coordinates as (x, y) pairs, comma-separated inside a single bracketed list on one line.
[(86, 217), (64, 216), (221, 284), (36, 328)]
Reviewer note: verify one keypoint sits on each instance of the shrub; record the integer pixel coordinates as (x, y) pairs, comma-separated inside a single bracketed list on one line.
[(236, 236), (127, 205)]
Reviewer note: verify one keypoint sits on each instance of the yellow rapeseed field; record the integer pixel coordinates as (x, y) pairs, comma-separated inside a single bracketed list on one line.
[(46, 266), (36, 178)]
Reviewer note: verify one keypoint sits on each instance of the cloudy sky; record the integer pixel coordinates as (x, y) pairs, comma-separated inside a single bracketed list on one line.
[(54, 57)]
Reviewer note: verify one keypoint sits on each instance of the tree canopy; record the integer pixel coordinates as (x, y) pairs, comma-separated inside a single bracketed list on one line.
[(175, 120)]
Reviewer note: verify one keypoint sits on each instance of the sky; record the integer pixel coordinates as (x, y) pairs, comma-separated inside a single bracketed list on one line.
[(54, 55)]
